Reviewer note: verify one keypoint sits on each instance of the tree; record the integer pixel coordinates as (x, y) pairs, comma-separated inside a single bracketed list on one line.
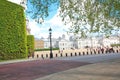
[(85, 16), (99, 15)]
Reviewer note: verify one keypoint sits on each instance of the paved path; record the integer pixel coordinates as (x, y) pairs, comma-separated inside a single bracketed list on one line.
[(105, 67), (30, 70), (108, 70), (92, 58)]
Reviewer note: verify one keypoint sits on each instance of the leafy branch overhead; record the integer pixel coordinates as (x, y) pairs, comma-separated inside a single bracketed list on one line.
[(40, 8), (84, 16)]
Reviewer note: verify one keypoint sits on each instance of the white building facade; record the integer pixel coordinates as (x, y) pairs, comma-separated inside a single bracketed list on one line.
[(66, 45), (94, 42), (86, 42), (91, 42), (110, 40), (55, 43), (63, 44)]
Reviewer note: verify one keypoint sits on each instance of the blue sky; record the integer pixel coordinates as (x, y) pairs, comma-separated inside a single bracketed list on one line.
[(53, 21)]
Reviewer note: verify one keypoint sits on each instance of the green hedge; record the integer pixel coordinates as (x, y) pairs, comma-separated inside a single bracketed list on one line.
[(30, 44), (46, 49), (115, 45), (13, 38)]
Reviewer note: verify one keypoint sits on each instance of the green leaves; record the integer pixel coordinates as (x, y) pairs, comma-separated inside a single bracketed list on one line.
[(40, 8), (101, 15), (96, 15)]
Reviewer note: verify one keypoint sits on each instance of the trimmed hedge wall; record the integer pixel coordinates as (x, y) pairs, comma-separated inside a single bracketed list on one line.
[(13, 38), (46, 49), (30, 45), (115, 45)]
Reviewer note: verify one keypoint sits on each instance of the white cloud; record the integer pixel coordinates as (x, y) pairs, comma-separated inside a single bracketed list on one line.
[(55, 21), (15, 1), (19, 2), (35, 29), (58, 28)]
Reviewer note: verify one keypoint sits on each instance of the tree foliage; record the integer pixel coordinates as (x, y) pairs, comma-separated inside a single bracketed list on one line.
[(99, 15), (39, 9), (86, 16)]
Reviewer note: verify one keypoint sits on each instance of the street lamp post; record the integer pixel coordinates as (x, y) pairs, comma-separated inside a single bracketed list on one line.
[(51, 54)]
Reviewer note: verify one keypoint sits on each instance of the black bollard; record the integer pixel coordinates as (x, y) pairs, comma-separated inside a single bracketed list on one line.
[(66, 54), (91, 52), (42, 56), (117, 51), (83, 53), (46, 55), (87, 53), (79, 53), (98, 52), (75, 54), (56, 55), (61, 55), (37, 56), (94, 52), (71, 54)]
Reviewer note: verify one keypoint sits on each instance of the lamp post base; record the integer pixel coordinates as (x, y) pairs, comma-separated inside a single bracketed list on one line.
[(51, 55)]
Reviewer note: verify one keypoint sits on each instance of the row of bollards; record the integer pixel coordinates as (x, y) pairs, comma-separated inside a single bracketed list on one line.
[(78, 53)]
